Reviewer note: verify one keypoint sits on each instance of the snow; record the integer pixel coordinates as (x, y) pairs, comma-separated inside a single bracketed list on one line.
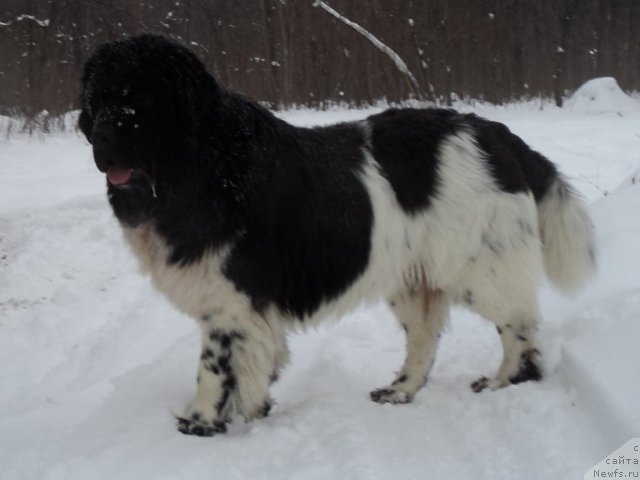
[(602, 95), (94, 362)]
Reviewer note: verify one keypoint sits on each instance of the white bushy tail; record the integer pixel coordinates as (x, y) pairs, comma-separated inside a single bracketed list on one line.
[(567, 237)]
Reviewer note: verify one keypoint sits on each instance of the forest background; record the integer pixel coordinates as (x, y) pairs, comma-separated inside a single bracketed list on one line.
[(288, 53)]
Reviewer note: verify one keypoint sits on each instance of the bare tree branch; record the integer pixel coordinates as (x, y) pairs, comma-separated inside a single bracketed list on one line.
[(395, 58)]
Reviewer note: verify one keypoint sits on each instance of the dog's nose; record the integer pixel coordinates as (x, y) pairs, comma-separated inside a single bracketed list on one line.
[(103, 136)]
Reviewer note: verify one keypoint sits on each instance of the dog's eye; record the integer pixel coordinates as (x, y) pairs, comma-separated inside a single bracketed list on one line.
[(143, 100)]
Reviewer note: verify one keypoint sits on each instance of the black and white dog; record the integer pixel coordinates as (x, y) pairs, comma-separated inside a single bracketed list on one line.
[(252, 226)]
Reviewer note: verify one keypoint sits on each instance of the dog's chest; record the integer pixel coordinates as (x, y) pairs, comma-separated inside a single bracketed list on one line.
[(198, 288)]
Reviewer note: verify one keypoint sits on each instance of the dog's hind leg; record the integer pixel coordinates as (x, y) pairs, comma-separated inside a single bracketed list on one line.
[(521, 359), (515, 314), (422, 312)]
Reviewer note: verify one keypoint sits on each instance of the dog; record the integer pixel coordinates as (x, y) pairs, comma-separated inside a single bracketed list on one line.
[(253, 226)]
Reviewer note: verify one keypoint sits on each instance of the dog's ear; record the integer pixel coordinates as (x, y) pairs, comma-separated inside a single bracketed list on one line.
[(85, 121), (191, 78)]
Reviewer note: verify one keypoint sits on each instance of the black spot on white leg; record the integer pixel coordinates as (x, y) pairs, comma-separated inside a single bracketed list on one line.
[(207, 360), (480, 384), (225, 338), (207, 317), (395, 394), (468, 297), (223, 367), (207, 354), (529, 369), (217, 382), (389, 395), (195, 424), (228, 380), (400, 379), (499, 330), (265, 409), (191, 426)]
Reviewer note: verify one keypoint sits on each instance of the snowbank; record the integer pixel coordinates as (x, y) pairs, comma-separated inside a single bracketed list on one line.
[(600, 356), (601, 95)]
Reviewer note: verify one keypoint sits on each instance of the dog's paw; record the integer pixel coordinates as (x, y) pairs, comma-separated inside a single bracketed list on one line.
[(491, 383), (201, 428), (528, 370), (390, 395), (264, 410)]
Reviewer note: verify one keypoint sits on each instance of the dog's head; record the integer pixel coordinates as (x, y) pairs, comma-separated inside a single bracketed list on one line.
[(144, 100)]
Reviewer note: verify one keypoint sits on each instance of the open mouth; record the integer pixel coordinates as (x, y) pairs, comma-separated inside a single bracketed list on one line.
[(118, 175)]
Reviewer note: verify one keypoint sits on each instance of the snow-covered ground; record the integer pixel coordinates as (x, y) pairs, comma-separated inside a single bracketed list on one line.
[(93, 362)]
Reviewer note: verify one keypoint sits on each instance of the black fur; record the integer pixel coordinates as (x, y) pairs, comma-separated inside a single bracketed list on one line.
[(223, 366), (480, 384), (514, 165), (528, 368), (405, 143), (307, 234), (211, 168)]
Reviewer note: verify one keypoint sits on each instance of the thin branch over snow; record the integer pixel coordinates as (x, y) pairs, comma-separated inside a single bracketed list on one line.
[(395, 58), (41, 23)]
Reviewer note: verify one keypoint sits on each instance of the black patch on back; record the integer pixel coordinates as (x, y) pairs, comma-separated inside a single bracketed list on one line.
[(515, 167), (405, 143)]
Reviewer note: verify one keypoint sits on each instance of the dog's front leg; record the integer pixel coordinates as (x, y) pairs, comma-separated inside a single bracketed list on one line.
[(237, 363)]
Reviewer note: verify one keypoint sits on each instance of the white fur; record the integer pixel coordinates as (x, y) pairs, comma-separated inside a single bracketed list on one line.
[(449, 245), (567, 233)]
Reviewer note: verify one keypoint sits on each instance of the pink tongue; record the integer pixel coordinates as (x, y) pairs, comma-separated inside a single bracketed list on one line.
[(118, 175)]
